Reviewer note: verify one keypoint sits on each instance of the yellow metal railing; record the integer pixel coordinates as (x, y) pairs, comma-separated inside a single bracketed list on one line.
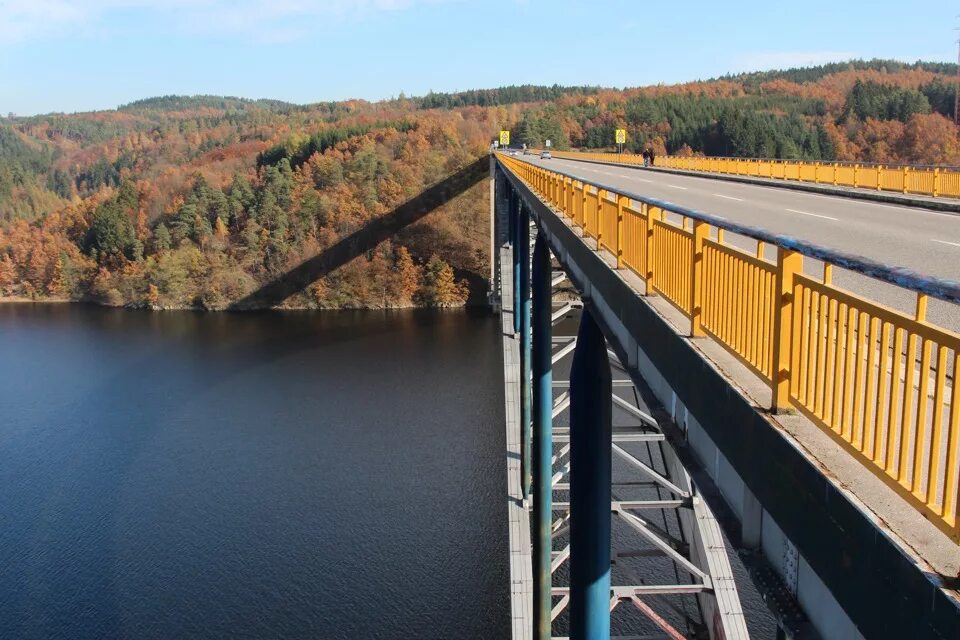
[(880, 382), (928, 181)]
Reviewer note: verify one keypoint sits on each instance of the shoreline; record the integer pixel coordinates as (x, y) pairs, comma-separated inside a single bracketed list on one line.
[(56, 301)]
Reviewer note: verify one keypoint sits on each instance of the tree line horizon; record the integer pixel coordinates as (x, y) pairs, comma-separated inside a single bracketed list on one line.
[(195, 201)]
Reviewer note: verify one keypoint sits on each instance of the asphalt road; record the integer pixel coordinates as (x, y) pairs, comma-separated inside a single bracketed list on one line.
[(920, 239)]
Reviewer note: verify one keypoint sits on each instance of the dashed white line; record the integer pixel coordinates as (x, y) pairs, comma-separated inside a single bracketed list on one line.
[(815, 215), (952, 244), (673, 186), (720, 195)]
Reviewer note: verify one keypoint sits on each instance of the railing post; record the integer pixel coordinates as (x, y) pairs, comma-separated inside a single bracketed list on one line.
[(621, 201), (789, 263), (936, 182), (524, 245), (880, 170), (590, 464), (653, 214), (836, 167), (601, 196), (701, 231), (543, 440), (583, 207), (816, 172), (856, 178), (905, 178)]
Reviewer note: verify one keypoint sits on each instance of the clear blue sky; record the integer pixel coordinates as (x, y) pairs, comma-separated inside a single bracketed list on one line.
[(77, 55)]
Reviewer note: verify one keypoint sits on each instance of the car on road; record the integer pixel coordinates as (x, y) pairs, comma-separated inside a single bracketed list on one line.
[(545, 155)]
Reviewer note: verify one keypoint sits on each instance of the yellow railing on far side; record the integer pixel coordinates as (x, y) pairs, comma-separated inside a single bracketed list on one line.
[(939, 182)]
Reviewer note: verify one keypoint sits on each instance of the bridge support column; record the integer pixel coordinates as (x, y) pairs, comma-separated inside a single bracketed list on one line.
[(523, 248), (590, 452), (542, 353), (516, 208)]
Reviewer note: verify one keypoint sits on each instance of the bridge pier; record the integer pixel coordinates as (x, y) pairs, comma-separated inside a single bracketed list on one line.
[(543, 430), (591, 439), (523, 248), (515, 210)]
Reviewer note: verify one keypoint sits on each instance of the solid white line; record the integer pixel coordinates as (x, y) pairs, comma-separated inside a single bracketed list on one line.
[(815, 215), (720, 195), (952, 244), (673, 186)]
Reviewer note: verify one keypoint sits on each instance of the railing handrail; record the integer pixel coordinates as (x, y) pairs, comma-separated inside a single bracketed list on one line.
[(843, 163), (940, 288)]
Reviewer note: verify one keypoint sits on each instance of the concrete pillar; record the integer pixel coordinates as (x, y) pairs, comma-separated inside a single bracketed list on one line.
[(543, 439), (751, 528), (590, 464)]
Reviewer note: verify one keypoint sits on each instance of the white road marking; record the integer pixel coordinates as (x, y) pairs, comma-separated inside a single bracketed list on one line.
[(860, 201), (673, 186), (720, 195), (815, 215), (952, 244)]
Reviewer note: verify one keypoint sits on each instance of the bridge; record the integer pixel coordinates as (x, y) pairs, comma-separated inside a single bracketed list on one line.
[(702, 365)]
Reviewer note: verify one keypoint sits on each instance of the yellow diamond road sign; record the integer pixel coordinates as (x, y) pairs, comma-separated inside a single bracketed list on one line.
[(504, 138), (621, 136)]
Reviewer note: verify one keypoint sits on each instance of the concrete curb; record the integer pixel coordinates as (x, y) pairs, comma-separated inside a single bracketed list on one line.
[(947, 206)]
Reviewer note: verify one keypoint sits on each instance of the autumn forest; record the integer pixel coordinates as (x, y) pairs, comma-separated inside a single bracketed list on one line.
[(195, 202)]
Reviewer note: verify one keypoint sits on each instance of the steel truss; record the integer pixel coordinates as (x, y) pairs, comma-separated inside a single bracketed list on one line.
[(663, 524)]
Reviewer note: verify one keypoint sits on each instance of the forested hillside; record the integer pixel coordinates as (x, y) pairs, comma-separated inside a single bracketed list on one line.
[(182, 201), (878, 111)]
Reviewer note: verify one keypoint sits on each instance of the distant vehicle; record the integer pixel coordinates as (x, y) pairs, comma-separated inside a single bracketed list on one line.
[(526, 152), (545, 155), (514, 152)]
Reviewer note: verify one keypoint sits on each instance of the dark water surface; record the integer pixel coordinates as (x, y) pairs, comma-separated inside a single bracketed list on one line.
[(301, 475)]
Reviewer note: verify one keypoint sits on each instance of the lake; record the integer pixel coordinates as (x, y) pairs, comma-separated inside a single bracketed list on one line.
[(264, 475)]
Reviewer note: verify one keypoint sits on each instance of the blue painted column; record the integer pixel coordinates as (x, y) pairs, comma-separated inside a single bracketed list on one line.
[(590, 452), (542, 353), (516, 208), (523, 244)]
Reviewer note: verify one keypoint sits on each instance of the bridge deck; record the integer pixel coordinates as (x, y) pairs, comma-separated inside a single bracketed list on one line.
[(763, 206), (861, 540), (521, 568)]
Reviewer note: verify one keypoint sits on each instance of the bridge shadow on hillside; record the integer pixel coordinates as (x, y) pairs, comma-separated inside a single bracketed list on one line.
[(364, 239)]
